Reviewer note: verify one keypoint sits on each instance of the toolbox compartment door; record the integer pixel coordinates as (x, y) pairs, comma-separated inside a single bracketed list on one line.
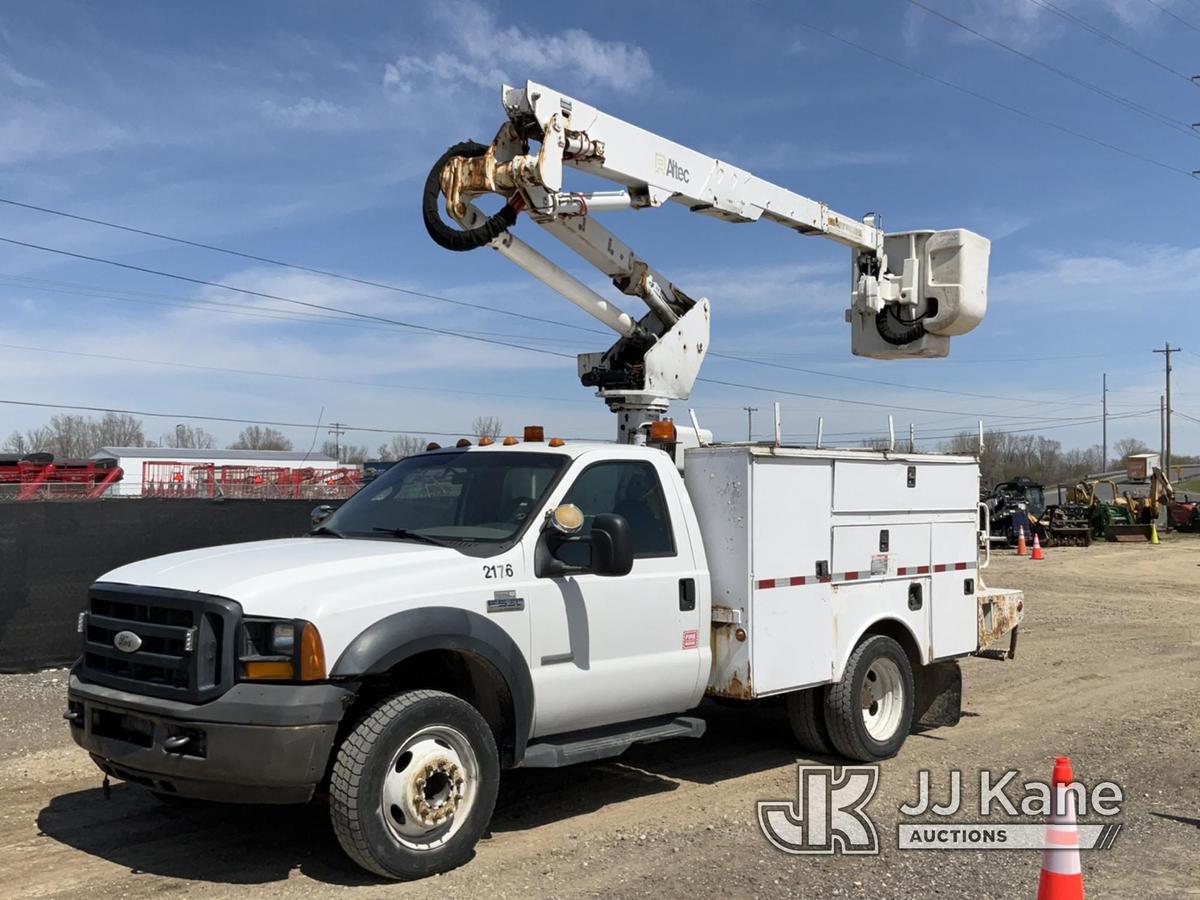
[(793, 624)]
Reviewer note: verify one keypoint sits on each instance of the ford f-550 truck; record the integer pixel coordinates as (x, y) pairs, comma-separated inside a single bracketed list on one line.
[(540, 603)]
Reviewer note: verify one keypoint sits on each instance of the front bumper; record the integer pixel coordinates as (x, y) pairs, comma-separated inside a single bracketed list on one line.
[(256, 743)]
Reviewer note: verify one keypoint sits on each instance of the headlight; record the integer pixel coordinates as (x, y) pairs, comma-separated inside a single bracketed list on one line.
[(280, 650)]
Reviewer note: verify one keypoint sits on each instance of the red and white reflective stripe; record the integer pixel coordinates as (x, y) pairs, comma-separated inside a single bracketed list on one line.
[(765, 583), (838, 577)]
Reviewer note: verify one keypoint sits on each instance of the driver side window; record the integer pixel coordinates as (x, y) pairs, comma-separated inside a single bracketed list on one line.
[(630, 489)]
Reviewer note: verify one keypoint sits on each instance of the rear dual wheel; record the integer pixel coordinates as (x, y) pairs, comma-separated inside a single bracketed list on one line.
[(864, 717)]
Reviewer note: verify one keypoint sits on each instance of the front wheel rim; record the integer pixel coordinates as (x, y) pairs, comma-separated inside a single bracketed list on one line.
[(882, 699), (430, 787)]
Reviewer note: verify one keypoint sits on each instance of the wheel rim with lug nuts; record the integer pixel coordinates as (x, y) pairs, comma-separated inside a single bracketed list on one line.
[(882, 699), (430, 787)]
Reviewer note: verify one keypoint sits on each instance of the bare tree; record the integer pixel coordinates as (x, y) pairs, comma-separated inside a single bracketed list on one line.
[(486, 426), (1007, 455), (187, 436), (1127, 447), (261, 437), (117, 430), (400, 446), (16, 443)]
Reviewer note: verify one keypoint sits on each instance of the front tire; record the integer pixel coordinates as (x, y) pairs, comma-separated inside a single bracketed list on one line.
[(869, 712), (414, 785)]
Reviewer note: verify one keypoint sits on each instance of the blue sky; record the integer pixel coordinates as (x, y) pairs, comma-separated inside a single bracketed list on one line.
[(303, 131)]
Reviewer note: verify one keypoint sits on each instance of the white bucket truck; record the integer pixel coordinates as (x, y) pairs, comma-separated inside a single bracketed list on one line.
[(540, 603)]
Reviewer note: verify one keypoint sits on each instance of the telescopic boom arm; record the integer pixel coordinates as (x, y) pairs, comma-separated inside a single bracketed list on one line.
[(910, 291)]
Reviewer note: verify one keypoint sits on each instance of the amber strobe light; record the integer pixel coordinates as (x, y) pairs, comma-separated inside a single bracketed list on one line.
[(663, 431), (535, 433)]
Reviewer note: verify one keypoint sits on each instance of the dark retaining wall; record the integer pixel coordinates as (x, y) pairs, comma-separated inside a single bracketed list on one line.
[(51, 551)]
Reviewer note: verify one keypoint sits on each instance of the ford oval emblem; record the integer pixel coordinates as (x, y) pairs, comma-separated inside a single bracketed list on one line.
[(126, 641)]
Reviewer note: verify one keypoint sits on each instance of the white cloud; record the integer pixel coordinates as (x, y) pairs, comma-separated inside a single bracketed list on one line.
[(311, 114), (482, 52), (38, 132), (1021, 23), (1104, 281)]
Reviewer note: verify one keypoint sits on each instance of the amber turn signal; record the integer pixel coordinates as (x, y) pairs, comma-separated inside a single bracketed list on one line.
[(312, 654), (270, 670)]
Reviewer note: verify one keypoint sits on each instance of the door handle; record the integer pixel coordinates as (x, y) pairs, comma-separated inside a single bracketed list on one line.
[(687, 594)]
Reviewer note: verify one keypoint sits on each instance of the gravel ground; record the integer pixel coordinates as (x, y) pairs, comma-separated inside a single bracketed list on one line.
[(1106, 672)]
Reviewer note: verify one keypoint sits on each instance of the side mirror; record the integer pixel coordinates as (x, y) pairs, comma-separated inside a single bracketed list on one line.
[(320, 514), (612, 545)]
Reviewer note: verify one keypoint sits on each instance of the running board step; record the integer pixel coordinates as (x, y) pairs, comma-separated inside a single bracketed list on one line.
[(612, 740)]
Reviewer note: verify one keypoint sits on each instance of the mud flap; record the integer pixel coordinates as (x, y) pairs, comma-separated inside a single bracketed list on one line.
[(938, 698)]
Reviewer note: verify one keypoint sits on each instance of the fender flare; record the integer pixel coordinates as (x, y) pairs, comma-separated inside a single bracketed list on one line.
[(401, 635)]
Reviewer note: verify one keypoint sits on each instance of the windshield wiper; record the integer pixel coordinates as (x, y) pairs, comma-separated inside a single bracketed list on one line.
[(327, 529), (405, 534)]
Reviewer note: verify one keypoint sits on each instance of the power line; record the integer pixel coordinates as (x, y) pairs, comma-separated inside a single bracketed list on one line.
[(999, 104), (170, 302), (276, 297), (875, 404), (258, 373), (465, 336), (204, 418), (145, 232), (1104, 35), (1179, 19), (1161, 118)]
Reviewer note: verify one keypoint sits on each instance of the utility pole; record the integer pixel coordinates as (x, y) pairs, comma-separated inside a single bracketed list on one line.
[(1162, 425), (1104, 426), (750, 411), (338, 429), (1166, 351)]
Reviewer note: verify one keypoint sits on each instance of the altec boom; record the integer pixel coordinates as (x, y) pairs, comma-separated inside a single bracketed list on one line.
[(910, 292)]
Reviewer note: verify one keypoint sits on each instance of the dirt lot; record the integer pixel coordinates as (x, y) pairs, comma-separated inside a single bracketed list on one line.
[(1108, 671)]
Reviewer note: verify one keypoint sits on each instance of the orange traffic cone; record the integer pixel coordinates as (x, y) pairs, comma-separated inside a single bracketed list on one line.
[(1037, 548), (1021, 550), (1062, 876)]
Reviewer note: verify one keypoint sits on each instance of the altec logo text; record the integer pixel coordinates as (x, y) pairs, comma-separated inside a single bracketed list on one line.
[(664, 165)]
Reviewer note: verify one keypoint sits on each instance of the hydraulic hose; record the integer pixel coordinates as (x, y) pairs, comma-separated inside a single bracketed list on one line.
[(459, 239), (895, 330)]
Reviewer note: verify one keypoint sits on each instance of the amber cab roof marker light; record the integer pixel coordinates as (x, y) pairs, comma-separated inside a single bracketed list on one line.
[(510, 440), (486, 441), (662, 430), (557, 442), (432, 445), (463, 442)]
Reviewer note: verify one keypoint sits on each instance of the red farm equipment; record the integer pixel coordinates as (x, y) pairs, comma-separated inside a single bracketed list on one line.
[(181, 480), (39, 476)]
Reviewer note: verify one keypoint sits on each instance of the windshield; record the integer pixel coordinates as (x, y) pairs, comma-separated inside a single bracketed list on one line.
[(452, 497)]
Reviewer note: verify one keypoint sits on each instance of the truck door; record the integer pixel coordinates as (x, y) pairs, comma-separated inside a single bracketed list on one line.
[(614, 649)]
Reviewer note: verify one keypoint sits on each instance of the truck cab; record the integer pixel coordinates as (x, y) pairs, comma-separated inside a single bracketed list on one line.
[(232, 673)]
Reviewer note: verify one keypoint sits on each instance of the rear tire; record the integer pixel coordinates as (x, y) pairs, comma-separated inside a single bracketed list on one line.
[(806, 715), (869, 712), (414, 785)]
